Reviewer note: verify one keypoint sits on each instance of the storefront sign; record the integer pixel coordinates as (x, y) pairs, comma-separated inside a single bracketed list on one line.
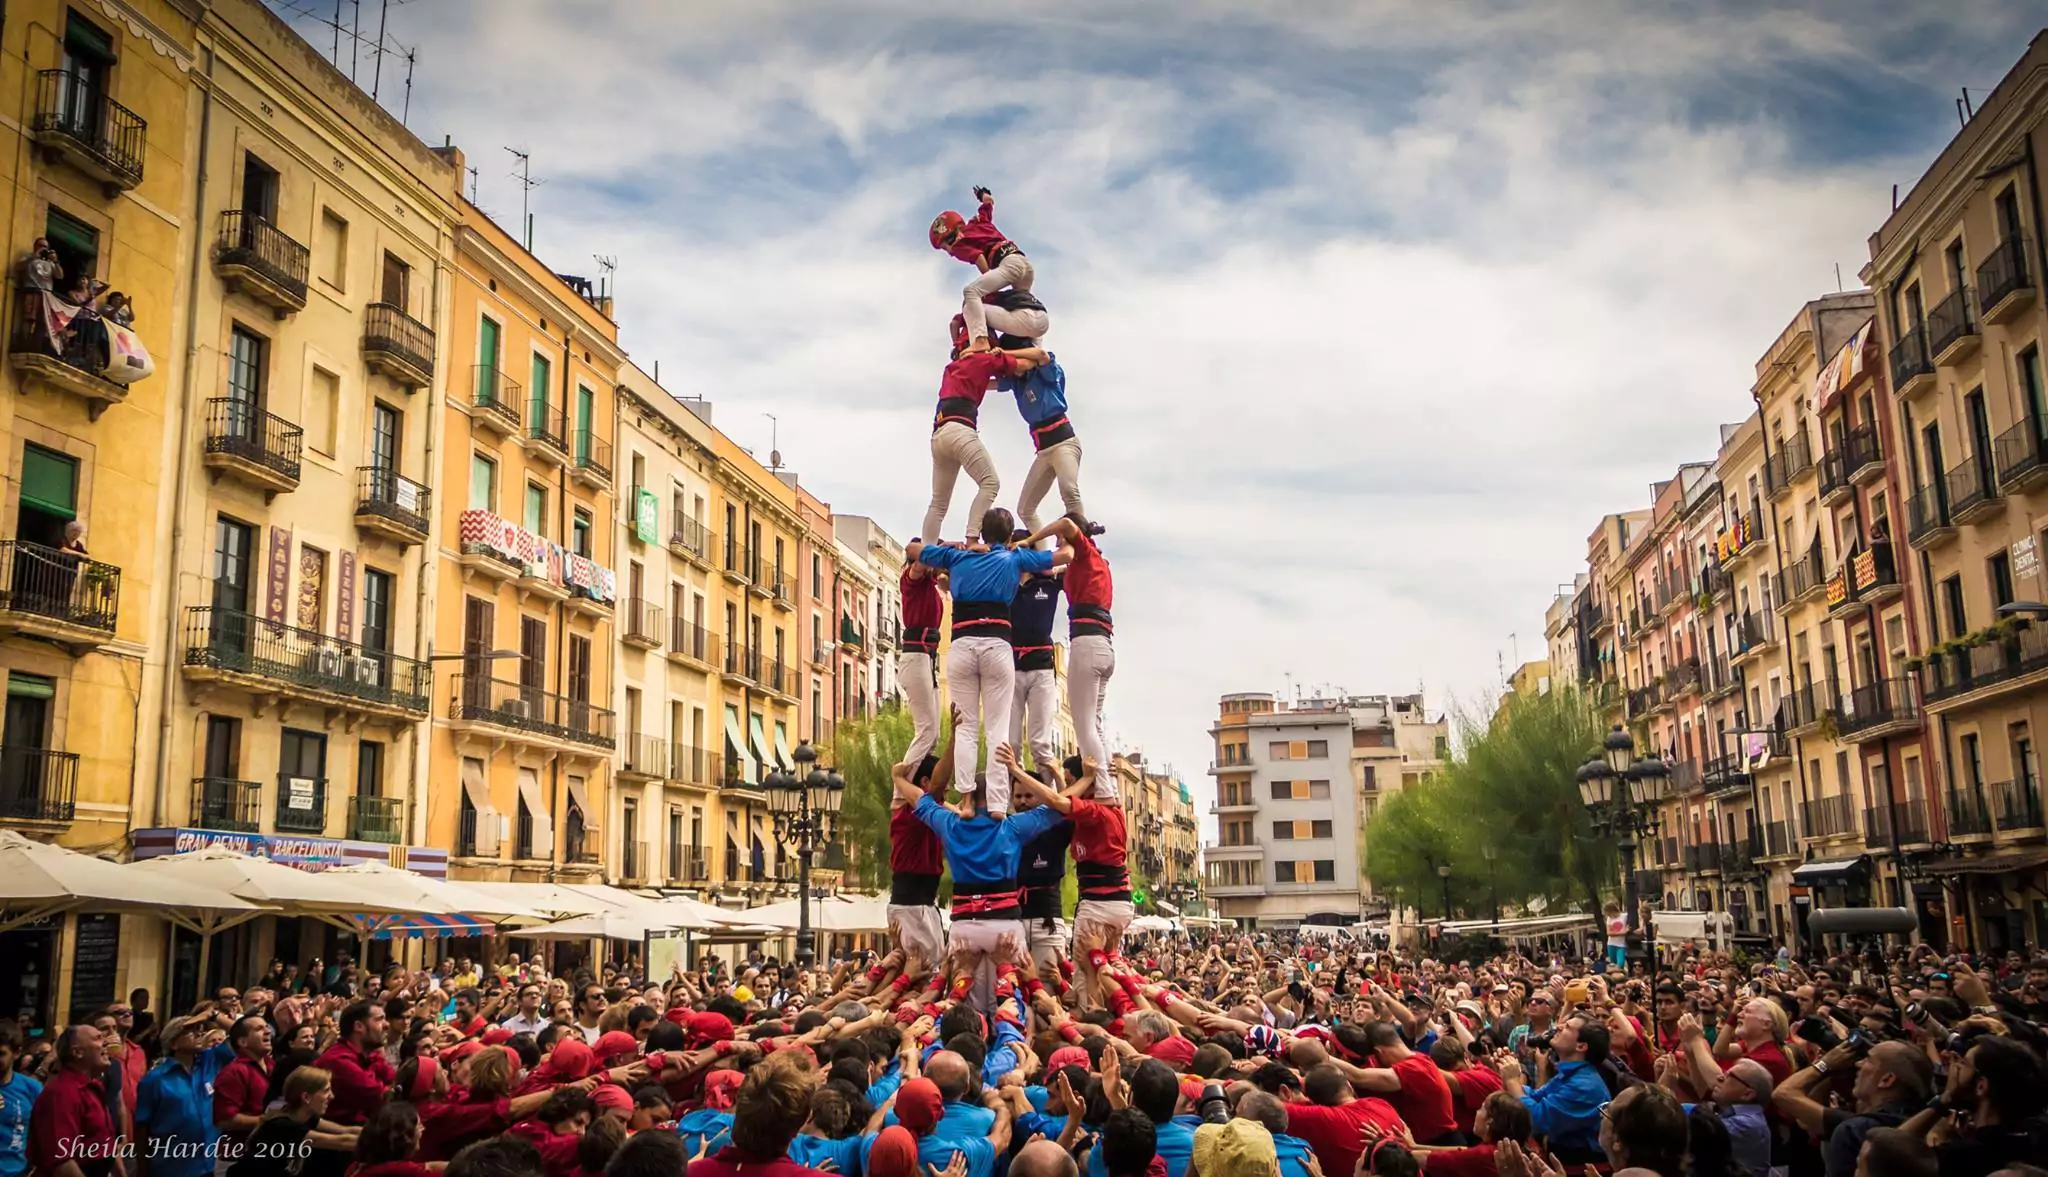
[(345, 598), (95, 959), (2026, 557), (277, 589), (300, 794), (305, 853)]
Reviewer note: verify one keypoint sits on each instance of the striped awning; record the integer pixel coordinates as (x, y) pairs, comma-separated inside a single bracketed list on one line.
[(421, 927)]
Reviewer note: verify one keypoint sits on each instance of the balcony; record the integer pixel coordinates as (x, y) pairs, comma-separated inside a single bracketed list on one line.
[(1645, 699), (1912, 370), (1685, 778), (782, 592), (57, 595), (1927, 519), (393, 506), (1778, 840), (1834, 478), (547, 431), (644, 757), (582, 848), (738, 566), (47, 353), (1972, 490), (1740, 856), (1909, 819), (376, 819), (1792, 460), (1754, 636), (1683, 680), (1805, 579), (2020, 455), (78, 124), (583, 599), (1877, 827), (1862, 458), (1807, 709), (690, 539), (1725, 776), (398, 345), (777, 676), (1871, 578), (301, 805), (494, 400), (1704, 858), (256, 258), (2017, 806), (247, 444), (593, 456), (1999, 662), (643, 625), (634, 862), (1741, 539), (219, 803), (1952, 334), (1968, 815), (1229, 803), (742, 665), (2005, 286), (692, 643), (852, 634), (1875, 711), (758, 580), (272, 660), (697, 865), (38, 786), (1828, 817), (515, 711), (688, 766)]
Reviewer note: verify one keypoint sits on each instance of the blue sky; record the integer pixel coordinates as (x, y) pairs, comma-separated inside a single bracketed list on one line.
[(1369, 310)]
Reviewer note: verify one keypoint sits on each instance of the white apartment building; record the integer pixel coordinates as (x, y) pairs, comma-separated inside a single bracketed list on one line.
[(884, 560)]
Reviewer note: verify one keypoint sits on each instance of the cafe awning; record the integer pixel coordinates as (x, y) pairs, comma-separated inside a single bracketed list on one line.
[(539, 820), (1990, 864), (1839, 870), (39, 879), (782, 755), (736, 748), (762, 751)]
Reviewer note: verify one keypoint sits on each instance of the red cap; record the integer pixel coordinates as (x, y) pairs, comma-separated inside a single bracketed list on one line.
[(919, 1105), (720, 1087), (495, 1036), (1066, 1056), (1175, 1050), (893, 1154), (611, 1097), (462, 1050), (612, 1044), (706, 1028)]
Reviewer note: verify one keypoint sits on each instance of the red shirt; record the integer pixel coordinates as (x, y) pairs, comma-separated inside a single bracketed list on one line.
[(447, 1125), (922, 606), (1476, 1161), (1333, 1132), (977, 237), (1173, 1050), (1098, 833), (240, 1090), (914, 847), (1087, 578), (1770, 1055), (968, 377), (1424, 1100), (1475, 1083), (359, 1082), (69, 1123), (557, 1149)]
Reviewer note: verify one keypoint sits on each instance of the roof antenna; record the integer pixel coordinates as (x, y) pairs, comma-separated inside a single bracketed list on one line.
[(774, 442), (1838, 277), (526, 186), (1969, 108), (608, 270)]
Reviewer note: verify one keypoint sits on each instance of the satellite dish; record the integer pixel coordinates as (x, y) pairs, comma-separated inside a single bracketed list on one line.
[(774, 459)]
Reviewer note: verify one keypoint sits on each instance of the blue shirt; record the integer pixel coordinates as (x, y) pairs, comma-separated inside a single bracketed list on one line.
[(1041, 393), (17, 1096), (703, 1125), (1567, 1109), (1294, 1155), (1749, 1136), (989, 576), (958, 1122), (848, 1153), (881, 1089), (982, 849), (174, 1107), (937, 1151), (1173, 1140)]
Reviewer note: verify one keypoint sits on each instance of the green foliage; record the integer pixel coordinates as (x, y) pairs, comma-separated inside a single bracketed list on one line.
[(1509, 787), (865, 752)]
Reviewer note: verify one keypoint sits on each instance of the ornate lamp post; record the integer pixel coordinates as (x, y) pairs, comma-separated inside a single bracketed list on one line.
[(1443, 874), (1492, 885), (1625, 812), (805, 805)]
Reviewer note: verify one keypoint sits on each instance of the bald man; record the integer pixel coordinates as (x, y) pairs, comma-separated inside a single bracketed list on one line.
[(1043, 1158), (962, 1117)]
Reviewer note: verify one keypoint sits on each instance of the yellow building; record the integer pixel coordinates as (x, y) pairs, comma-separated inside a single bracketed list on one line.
[(98, 141), (526, 742)]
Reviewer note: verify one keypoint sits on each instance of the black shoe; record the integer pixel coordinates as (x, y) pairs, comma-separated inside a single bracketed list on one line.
[(1093, 529)]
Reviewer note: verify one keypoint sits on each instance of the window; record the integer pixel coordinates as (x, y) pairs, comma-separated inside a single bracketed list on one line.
[(49, 499), (586, 411), (396, 288), (1277, 750), (1371, 780), (537, 393), (2028, 368), (1952, 602), (579, 668), (1326, 870), (483, 483), (1283, 790), (579, 533), (1283, 830), (323, 396), (369, 769), (817, 575), (1318, 749), (1998, 575), (332, 249), (387, 437), (234, 545), (1320, 829), (533, 652), (259, 193), (378, 589), (1283, 872), (1317, 790), (535, 518), (245, 381)]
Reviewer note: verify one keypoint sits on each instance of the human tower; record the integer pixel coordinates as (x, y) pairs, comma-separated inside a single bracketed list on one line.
[(1007, 839)]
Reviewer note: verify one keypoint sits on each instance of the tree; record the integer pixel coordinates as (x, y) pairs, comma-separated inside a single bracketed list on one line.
[(1509, 787), (865, 751)]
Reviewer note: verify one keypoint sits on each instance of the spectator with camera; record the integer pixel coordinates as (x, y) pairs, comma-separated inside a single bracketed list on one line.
[(1888, 1082), (1989, 1115), (1566, 1108)]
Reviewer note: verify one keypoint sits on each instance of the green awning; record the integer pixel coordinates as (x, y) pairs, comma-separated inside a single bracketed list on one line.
[(49, 481), (31, 686), (71, 233), (736, 746)]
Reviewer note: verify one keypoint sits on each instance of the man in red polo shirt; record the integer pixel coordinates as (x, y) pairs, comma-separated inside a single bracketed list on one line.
[(1333, 1119), (1410, 1082), (70, 1133), (1091, 659), (240, 1091), (956, 436), (916, 861), (361, 1073), (923, 611)]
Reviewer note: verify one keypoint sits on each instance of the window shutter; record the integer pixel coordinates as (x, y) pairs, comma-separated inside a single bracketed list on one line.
[(49, 481)]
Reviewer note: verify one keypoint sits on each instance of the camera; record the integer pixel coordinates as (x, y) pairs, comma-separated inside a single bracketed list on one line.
[(1540, 1041), (1213, 1107), (1860, 1041)]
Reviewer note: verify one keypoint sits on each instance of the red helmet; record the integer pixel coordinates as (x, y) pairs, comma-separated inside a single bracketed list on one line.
[(946, 224)]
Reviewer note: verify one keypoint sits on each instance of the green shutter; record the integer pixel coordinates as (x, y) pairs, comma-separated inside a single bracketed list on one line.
[(483, 483), (30, 686), (647, 517), (585, 409), (71, 233), (49, 481), (538, 393), (86, 39)]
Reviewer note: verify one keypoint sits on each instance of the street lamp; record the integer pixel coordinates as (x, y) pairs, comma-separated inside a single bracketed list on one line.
[(805, 808), (1492, 886), (1443, 874), (1620, 793)]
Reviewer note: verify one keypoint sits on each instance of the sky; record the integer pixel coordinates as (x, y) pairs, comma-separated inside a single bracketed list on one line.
[(1369, 310)]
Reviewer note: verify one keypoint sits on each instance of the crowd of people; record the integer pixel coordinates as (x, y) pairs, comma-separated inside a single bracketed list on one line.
[(1234, 1055)]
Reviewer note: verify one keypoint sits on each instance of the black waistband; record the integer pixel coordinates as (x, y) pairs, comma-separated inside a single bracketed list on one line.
[(1083, 620), (1001, 250), (1032, 657), (1047, 434), (1013, 299), (907, 889), (957, 409), (1042, 903), (1099, 880), (984, 619), (920, 639)]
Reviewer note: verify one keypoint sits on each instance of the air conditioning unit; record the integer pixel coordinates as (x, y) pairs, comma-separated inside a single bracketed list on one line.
[(516, 707), (369, 672), (327, 661)]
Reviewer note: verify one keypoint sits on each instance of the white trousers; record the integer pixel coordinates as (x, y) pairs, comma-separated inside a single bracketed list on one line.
[(1091, 661), (1035, 705), (918, 932), (956, 446), (1029, 324), (919, 678), (1047, 943), (981, 675), (1059, 463), (1013, 272), (989, 943)]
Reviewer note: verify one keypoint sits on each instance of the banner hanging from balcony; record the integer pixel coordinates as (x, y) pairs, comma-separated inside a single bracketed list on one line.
[(541, 558), (1842, 370), (86, 339), (646, 516)]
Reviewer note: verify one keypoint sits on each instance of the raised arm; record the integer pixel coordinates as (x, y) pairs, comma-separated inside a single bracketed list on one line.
[(1062, 527)]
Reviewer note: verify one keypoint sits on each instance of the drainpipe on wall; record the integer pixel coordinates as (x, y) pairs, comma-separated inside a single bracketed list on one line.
[(424, 619)]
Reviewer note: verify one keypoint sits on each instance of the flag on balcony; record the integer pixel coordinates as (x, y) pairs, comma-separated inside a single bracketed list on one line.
[(1756, 749)]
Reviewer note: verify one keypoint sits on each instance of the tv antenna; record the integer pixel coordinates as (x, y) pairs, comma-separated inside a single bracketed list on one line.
[(472, 183), (526, 186), (608, 272), (774, 442)]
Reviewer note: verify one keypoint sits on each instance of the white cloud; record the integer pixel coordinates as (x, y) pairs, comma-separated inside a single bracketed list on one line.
[(1369, 310)]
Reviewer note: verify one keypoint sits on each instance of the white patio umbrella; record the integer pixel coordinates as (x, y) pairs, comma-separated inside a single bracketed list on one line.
[(287, 889), (387, 886), (1151, 923), (833, 913), (38, 879), (705, 917), (553, 901), (603, 925)]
